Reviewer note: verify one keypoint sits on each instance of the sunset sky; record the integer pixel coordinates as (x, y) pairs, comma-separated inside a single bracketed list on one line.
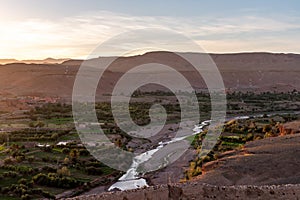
[(32, 29)]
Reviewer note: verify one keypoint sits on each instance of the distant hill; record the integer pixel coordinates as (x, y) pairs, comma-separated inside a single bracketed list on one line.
[(44, 61), (6, 61), (241, 72)]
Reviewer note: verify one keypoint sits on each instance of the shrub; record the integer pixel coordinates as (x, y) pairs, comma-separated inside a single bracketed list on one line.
[(48, 195), (64, 171), (65, 150), (74, 154), (30, 159), (54, 136), (269, 134), (22, 181), (267, 128), (25, 197), (10, 174), (53, 180), (3, 137), (94, 171), (84, 152), (8, 161), (249, 137), (66, 161), (45, 159), (20, 158), (49, 169)]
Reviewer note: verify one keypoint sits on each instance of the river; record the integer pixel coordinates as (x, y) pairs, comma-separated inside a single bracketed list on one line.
[(132, 180)]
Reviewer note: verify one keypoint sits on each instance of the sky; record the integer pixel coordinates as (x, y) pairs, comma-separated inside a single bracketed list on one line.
[(37, 29)]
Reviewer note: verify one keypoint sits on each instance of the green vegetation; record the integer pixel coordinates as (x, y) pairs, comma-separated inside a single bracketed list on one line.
[(33, 165)]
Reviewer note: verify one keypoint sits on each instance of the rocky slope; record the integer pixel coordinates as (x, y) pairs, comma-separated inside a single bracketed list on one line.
[(241, 72), (263, 162), (202, 191)]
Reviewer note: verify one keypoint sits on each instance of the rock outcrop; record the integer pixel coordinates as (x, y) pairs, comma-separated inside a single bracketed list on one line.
[(196, 190)]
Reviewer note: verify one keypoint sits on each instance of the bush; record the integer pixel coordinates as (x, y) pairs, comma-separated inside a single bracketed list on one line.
[(94, 171), (269, 134), (3, 137), (267, 128), (40, 179), (25, 197), (54, 180), (74, 154), (8, 161), (20, 158), (46, 159), (249, 137), (48, 195), (54, 136), (30, 159), (5, 190), (22, 181), (65, 150), (84, 152), (49, 169), (64, 171), (10, 174)]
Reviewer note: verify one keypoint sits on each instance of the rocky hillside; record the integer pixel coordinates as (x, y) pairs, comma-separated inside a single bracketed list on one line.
[(269, 161), (196, 190), (241, 72)]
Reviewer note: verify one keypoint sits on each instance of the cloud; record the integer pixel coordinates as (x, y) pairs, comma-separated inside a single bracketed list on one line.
[(77, 36)]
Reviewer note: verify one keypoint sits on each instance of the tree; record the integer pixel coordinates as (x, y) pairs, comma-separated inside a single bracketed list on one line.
[(25, 197), (38, 124), (94, 171), (64, 171), (84, 152), (66, 161), (30, 159), (54, 136), (74, 154), (3, 137), (20, 158), (267, 128), (65, 150), (8, 161)]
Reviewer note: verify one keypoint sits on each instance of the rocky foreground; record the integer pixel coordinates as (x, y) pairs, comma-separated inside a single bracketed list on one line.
[(196, 190)]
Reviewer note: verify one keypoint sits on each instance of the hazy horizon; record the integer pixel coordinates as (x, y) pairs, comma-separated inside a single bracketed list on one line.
[(58, 29), (212, 53)]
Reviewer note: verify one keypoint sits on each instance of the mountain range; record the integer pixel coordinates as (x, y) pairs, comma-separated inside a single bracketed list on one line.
[(240, 72)]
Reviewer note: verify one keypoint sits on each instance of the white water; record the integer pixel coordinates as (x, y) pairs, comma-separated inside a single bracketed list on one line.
[(131, 179)]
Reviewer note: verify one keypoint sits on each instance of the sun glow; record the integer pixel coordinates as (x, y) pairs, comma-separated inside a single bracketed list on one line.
[(77, 36)]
